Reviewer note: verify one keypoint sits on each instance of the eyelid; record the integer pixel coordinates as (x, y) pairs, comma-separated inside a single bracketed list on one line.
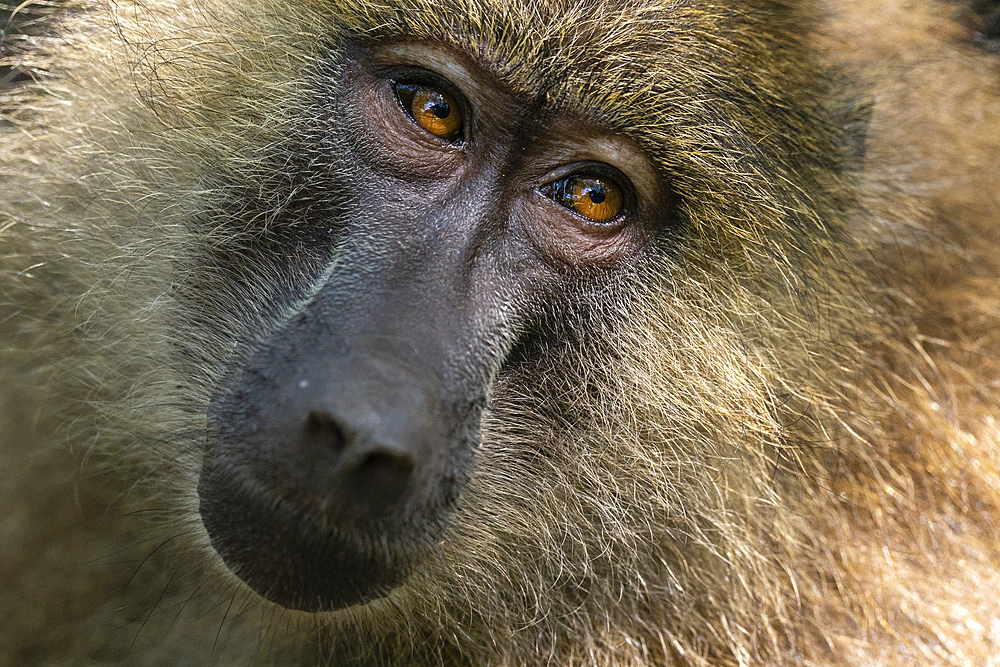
[(436, 66), (612, 155)]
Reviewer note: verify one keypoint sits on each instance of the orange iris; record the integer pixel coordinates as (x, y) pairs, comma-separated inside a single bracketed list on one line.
[(592, 197), (434, 110)]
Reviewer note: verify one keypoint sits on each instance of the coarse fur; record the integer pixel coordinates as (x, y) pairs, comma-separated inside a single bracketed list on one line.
[(775, 444)]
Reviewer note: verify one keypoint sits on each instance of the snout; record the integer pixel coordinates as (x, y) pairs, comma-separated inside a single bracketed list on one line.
[(323, 484)]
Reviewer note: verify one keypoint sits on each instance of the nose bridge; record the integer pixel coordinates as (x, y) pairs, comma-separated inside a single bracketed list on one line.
[(414, 288), (398, 328)]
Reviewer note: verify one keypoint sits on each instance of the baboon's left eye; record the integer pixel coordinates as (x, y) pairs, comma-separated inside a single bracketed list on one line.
[(434, 110), (594, 197)]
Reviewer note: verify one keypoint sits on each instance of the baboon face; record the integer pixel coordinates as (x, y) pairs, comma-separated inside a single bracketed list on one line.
[(339, 446), (496, 324)]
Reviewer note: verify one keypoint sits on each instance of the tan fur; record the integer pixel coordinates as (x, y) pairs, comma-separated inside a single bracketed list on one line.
[(778, 445)]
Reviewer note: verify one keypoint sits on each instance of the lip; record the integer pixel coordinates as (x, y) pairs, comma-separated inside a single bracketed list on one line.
[(289, 557)]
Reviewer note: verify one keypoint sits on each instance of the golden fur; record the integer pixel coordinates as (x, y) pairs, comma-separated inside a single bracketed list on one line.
[(779, 445)]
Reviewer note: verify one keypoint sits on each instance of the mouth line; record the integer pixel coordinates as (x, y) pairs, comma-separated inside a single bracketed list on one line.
[(288, 558)]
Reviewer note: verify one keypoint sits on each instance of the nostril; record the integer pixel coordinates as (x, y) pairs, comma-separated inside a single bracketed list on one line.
[(322, 429), (388, 465), (380, 480)]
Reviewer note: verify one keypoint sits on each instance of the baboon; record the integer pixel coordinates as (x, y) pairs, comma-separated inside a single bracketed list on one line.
[(500, 332)]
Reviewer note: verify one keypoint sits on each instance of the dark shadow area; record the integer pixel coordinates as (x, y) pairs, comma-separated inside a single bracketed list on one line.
[(20, 24), (982, 17)]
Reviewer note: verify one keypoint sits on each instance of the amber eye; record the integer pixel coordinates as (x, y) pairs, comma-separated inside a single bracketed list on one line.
[(594, 197), (432, 109)]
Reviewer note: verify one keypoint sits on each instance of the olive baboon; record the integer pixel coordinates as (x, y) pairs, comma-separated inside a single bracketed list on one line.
[(511, 332)]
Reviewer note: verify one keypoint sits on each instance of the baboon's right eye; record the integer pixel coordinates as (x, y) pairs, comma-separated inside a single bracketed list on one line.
[(432, 109)]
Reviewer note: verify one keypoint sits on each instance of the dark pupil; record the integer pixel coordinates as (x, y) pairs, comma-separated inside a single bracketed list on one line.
[(597, 194), (441, 109)]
